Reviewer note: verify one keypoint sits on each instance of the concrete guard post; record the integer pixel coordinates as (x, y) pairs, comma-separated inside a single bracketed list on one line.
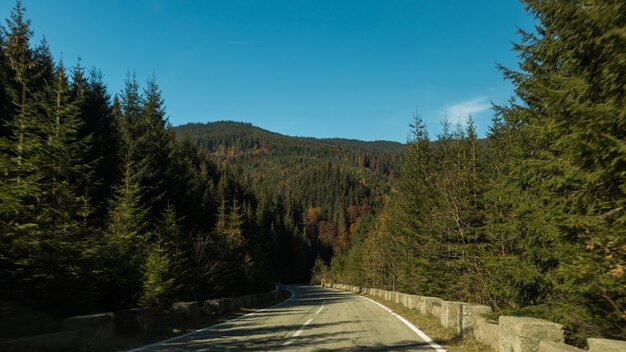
[(190, 310), (414, 301), (227, 305), (547, 346), (211, 306), (388, 295), (487, 332), (436, 310), (469, 314), (404, 300), (451, 314), (461, 316), (428, 303), (518, 334), (247, 301), (91, 326), (606, 345), (127, 321)]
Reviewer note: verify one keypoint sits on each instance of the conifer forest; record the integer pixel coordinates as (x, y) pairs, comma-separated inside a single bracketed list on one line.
[(105, 205)]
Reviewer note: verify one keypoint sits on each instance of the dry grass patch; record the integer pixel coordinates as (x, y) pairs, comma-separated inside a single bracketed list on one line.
[(430, 325)]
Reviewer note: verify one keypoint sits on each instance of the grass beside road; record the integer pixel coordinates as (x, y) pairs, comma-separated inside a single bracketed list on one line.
[(430, 325)]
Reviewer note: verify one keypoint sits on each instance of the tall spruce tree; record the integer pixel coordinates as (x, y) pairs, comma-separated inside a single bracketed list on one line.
[(572, 119), (101, 128), (152, 148), (411, 204), (164, 268), (65, 202), (125, 240), (22, 151)]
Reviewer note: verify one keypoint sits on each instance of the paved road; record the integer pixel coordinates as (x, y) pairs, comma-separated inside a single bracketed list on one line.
[(313, 319)]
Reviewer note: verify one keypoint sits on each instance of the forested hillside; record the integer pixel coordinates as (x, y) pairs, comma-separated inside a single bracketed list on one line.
[(535, 223), (103, 207), (327, 187)]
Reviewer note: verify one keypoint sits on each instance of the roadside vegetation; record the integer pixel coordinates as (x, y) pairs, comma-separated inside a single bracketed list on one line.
[(431, 326), (531, 222), (104, 205)]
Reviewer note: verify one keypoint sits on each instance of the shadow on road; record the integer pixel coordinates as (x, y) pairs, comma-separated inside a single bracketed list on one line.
[(256, 333)]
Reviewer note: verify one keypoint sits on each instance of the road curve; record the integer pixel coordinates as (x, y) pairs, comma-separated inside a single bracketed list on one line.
[(313, 319)]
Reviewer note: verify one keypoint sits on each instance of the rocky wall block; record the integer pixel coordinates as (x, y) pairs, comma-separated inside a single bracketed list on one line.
[(519, 334)]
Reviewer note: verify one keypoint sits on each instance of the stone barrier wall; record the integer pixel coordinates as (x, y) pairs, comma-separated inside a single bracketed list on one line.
[(85, 332), (604, 345), (486, 331), (524, 334), (508, 334)]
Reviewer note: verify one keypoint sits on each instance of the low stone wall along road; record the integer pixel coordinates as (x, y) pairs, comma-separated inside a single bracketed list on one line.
[(313, 319)]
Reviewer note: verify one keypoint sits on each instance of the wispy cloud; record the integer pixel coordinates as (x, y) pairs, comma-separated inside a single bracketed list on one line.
[(468, 107)]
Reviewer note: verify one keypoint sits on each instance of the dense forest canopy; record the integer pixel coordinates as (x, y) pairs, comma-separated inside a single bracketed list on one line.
[(535, 223), (328, 186), (104, 205)]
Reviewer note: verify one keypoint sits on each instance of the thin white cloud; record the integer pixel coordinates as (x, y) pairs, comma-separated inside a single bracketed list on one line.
[(465, 108)]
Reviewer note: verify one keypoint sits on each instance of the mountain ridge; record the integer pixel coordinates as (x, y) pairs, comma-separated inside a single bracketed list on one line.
[(327, 187), (391, 145)]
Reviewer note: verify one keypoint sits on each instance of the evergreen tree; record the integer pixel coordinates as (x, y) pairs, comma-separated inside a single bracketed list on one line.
[(164, 270), (572, 122), (158, 283), (125, 240), (102, 129), (411, 205), (152, 147), (22, 152)]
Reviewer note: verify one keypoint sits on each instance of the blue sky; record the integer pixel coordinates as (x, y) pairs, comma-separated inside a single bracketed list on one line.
[(321, 68)]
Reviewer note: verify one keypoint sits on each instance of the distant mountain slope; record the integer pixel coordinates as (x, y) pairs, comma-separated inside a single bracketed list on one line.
[(239, 139), (327, 185)]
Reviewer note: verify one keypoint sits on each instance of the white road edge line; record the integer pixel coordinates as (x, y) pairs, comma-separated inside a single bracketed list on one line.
[(319, 310), (419, 332), (211, 327), (297, 333)]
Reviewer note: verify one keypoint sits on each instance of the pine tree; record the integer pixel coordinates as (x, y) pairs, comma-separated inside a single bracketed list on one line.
[(570, 173), (125, 240), (158, 282), (65, 202), (102, 129), (406, 215), (22, 149), (164, 270), (146, 141)]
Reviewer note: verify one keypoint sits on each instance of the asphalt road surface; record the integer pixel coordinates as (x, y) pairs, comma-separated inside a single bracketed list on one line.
[(313, 319)]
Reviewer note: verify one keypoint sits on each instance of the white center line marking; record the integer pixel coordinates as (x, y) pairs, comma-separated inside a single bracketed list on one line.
[(297, 333), (319, 310)]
